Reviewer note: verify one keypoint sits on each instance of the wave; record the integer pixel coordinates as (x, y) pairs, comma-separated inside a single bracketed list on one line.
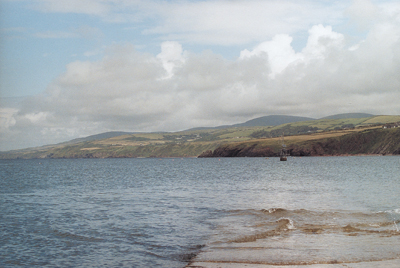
[(281, 225), (393, 211), (252, 225), (274, 210), (279, 236)]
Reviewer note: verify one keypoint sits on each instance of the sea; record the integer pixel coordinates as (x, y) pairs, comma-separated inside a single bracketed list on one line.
[(170, 212)]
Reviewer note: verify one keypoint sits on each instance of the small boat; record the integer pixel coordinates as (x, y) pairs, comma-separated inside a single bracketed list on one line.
[(283, 155)]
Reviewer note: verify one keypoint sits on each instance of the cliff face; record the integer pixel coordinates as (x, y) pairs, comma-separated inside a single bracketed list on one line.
[(378, 141), (247, 151)]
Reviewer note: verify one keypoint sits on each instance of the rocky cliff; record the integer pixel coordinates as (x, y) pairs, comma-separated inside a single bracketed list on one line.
[(376, 141)]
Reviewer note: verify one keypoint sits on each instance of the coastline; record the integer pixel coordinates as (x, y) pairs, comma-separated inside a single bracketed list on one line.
[(394, 263), (361, 142), (369, 142)]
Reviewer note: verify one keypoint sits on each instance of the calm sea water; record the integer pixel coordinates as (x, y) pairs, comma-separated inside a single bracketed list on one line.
[(164, 212)]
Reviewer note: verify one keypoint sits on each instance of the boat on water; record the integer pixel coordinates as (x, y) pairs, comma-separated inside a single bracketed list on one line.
[(283, 154)]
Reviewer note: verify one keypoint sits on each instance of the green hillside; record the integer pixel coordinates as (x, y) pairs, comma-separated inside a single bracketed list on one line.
[(192, 143), (348, 115)]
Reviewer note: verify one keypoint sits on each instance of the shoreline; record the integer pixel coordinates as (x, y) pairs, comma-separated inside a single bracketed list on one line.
[(187, 157), (370, 141), (393, 263)]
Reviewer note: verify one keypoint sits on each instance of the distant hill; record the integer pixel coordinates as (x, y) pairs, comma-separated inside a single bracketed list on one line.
[(276, 120), (248, 140), (101, 136), (348, 115), (272, 120)]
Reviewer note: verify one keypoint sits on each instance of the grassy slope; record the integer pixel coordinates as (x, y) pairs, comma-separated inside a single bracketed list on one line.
[(193, 143)]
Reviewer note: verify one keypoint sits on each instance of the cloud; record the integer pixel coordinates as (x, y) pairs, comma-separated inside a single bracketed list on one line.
[(279, 51), (178, 89), (281, 54), (211, 22), (364, 13), (321, 39), (238, 22), (224, 22), (171, 56), (6, 118)]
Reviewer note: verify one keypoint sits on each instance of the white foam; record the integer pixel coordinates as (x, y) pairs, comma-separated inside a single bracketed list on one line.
[(397, 228), (393, 211), (290, 224)]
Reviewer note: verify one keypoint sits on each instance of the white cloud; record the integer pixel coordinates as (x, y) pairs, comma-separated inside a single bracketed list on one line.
[(221, 22), (364, 13), (279, 53), (225, 22), (176, 89), (36, 118), (171, 56), (321, 39), (7, 119), (238, 22)]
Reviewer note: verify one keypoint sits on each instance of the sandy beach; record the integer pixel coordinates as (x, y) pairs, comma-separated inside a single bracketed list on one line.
[(375, 264)]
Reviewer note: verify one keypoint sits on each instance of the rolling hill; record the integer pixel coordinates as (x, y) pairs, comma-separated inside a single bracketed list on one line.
[(192, 143), (276, 120), (272, 120), (101, 136), (348, 115)]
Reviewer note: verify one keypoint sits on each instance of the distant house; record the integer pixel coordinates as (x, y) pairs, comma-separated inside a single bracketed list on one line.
[(391, 125)]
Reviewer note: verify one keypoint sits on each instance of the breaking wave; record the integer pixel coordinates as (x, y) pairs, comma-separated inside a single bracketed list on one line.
[(279, 236)]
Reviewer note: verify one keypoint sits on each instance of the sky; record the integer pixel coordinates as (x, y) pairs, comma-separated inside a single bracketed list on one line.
[(73, 68)]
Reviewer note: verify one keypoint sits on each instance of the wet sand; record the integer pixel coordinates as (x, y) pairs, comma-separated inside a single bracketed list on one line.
[(374, 264)]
